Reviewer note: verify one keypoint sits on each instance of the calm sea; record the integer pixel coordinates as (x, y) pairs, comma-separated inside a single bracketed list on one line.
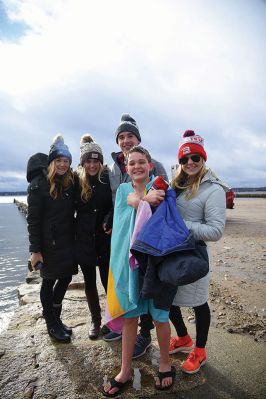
[(14, 255)]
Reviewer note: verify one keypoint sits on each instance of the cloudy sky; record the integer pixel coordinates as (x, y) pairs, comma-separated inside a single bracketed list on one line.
[(74, 66)]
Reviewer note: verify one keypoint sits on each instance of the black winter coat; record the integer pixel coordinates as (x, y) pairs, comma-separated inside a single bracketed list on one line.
[(51, 228), (92, 243)]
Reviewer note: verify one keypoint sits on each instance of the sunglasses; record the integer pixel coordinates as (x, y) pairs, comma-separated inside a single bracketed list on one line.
[(194, 158)]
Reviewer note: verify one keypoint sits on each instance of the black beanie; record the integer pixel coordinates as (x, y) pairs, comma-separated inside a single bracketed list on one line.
[(127, 124)]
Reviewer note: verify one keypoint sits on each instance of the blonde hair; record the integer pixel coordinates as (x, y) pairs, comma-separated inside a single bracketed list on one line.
[(67, 180), (189, 184), (84, 182)]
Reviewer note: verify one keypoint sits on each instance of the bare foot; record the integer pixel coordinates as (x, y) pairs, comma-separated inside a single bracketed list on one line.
[(122, 378), (164, 382)]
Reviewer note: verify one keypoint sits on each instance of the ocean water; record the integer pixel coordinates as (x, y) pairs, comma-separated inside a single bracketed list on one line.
[(14, 255)]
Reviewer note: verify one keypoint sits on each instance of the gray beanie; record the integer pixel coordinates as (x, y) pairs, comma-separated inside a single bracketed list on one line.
[(58, 149), (89, 149), (127, 124)]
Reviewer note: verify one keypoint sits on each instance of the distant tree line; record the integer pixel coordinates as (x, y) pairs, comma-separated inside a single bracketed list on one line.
[(248, 189), (235, 189), (6, 193)]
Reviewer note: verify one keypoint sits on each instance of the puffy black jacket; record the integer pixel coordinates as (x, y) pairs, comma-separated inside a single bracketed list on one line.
[(92, 243), (50, 223)]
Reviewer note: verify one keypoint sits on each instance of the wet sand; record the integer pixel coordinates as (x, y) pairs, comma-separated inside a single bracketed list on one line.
[(238, 289)]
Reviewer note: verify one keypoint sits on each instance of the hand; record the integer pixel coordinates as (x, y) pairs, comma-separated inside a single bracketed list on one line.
[(133, 199), (155, 197), (105, 227), (35, 258)]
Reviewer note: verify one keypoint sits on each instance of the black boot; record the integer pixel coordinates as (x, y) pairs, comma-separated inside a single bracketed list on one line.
[(55, 330), (57, 312), (95, 310)]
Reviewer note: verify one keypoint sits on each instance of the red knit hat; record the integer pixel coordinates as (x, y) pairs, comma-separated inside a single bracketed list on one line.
[(191, 143)]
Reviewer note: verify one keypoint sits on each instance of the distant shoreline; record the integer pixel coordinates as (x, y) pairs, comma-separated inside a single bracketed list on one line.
[(238, 194), (11, 193), (250, 195)]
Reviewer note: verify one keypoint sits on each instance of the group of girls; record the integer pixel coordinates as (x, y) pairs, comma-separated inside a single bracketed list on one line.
[(70, 223)]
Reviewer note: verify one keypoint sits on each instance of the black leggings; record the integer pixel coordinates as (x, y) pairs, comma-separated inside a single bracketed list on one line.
[(203, 319), (146, 325), (53, 292), (89, 273)]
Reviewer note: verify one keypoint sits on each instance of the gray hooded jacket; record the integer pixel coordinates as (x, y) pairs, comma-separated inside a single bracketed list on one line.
[(205, 216)]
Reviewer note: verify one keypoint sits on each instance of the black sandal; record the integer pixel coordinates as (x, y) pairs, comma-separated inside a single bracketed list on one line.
[(116, 384), (163, 375)]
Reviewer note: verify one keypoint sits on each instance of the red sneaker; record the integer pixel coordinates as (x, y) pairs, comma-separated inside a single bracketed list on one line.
[(195, 360), (180, 344)]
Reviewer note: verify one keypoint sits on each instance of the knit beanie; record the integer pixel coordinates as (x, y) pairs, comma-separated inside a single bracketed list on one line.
[(89, 149), (58, 149), (191, 143), (127, 124)]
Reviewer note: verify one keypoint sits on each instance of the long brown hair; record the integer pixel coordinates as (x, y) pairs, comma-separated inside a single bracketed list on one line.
[(84, 182), (190, 185), (55, 188)]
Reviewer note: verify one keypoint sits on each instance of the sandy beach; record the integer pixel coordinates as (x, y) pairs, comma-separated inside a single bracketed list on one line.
[(238, 289)]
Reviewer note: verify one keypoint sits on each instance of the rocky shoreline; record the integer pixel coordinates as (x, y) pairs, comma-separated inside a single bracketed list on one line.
[(33, 366)]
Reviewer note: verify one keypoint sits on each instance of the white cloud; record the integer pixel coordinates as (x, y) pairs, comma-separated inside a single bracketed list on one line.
[(173, 64)]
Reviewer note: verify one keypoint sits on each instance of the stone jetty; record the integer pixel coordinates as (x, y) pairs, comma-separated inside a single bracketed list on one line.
[(22, 206), (33, 366)]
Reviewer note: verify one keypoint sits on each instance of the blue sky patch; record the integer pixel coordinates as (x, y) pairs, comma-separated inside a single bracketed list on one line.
[(10, 30)]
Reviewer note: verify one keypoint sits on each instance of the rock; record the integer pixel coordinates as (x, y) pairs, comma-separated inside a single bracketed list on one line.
[(191, 319), (28, 289), (29, 391), (76, 285), (33, 277)]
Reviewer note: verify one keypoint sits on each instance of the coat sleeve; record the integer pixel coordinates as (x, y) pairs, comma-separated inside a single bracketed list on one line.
[(34, 217), (114, 178), (76, 191), (212, 227), (108, 218)]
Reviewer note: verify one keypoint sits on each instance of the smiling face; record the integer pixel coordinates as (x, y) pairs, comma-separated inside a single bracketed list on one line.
[(61, 165), (127, 140), (92, 166), (191, 168), (138, 167)]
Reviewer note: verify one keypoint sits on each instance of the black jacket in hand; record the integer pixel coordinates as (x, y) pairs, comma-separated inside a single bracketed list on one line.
[(92, 243), (50, 222)]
